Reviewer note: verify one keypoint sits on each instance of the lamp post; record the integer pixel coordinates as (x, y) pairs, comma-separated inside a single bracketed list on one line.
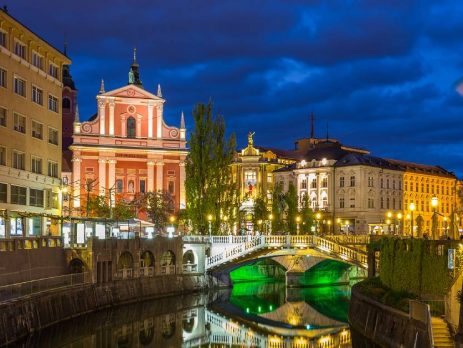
[(339, 221), (318, 216), (434, 204), (347, 226), (399, 223), (329, 227), (298, 221), (411, 207), (270, 218), (209, 219), (389, 217)]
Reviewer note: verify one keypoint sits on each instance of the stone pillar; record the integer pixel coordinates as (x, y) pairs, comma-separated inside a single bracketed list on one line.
[(159, 175), (101, 115), (76, 181), (138, 128), (150, 167), (112, 180), (159, 121), (150, 119), (182, 185), (124, 126), (111, 116), (102, 176)]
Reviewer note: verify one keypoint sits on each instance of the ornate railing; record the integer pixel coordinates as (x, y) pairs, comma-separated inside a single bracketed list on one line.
[(326, 246), (168, 269), (19, 243)]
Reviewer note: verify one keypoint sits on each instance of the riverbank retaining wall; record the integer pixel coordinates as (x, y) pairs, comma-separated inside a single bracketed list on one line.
[(20, 317), (374, 324)]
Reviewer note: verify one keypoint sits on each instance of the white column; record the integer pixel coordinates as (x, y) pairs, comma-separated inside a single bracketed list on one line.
[(102, 176), (112, 180), (159, 175), (101, 115), (182, 185), (76, 181), (123, 126), (150, 166), (159, 121), (111, 116), (138, 127), (150, 119)]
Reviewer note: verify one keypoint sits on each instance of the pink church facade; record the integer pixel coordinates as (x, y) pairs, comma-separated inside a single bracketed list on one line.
[(127, 148)]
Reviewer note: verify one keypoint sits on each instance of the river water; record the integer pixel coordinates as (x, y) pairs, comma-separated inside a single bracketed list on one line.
[(256, 314)]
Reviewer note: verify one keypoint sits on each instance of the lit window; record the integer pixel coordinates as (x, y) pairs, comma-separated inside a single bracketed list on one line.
[(19, 123), (37, 95), (18, 159), (19, 86), (37, 130)]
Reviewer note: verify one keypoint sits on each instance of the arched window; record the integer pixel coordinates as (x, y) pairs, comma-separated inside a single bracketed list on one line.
[(66, 103), (131, 127)]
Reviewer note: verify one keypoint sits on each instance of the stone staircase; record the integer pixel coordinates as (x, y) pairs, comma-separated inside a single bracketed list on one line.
[(441, 334)]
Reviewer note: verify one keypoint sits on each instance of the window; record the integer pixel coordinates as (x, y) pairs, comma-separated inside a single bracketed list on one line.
[(37, 60), (352, 181), (171, 187), (2, 38), (2, 78), (3, 193), (325, 202), (341, 181), (52, 103), (352, 202), (19, 86), (382, 183), (19, 123), (270, 178), (119, 186), (393, 203), (52, 169), (66, 103), (371, 203), (131, 127), (20, 49), (52, 136), (325, 182), (18, 160), (313, 184), (387, 183), (143, 186), (406, 185), (341, 202), (2, 156), (304, 184), (37, 130), (36, 198), (382, 202), (37, 95), (370, 181), (36, 165), (18, 195), (53, 70), (2, 117), (387, 202)]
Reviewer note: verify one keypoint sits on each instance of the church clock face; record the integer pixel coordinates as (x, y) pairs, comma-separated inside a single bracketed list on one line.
[(131, 109), (131, 92)]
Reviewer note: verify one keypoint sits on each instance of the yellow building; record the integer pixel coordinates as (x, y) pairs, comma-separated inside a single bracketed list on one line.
[(252, 170), (428, 189), (30, 131)]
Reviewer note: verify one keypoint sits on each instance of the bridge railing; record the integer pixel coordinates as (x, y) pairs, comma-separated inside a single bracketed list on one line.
[(349, 239)]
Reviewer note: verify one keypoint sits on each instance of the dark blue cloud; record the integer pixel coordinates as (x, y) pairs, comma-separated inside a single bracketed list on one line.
[(381, 74)]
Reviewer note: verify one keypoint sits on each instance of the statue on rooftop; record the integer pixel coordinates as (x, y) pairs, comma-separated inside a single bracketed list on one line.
[(250, 141)]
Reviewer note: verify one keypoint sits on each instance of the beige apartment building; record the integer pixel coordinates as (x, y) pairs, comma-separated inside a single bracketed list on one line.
[(30, 131)]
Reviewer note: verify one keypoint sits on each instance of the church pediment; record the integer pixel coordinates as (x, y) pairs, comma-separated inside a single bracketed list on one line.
[(131, 91)]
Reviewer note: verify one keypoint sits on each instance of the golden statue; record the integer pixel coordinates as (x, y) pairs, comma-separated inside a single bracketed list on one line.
[(250, 141)]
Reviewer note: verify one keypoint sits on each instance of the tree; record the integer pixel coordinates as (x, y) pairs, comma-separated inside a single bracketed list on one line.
[(278, 207), (209, 187), (158, 206), (260, 212), (292, 209), (307, 215), (123, 210), (96, 206)]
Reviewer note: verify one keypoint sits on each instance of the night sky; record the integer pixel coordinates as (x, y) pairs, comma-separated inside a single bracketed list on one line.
[(381, 74)]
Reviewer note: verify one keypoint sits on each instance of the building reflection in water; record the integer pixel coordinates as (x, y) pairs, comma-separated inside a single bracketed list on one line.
[(287, 318)]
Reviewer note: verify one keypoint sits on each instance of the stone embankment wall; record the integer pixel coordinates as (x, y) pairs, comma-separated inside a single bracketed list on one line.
[(374, 324), (18, 318)]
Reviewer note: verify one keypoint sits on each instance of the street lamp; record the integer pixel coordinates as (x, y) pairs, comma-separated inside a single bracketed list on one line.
[(209, 219), (298, 220), (329, 227), (411, 207), (270, 218), (389, 217), (318, 216), (434, 204), (339, 221), (347, 226), (399, 222)]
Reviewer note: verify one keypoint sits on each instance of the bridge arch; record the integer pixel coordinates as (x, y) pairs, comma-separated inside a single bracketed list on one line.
[(146, 259), (168, 262), (146, 335), (189, 257), (76, 265), (125, 265)]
